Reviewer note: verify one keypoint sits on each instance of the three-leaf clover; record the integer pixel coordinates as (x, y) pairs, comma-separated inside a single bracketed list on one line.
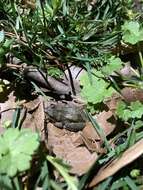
[(16, 149)]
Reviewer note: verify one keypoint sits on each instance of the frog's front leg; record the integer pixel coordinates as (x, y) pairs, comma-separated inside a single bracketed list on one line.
[(59, 124), (74, 127)]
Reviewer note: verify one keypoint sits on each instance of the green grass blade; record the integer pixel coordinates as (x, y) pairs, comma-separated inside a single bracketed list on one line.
[(131, 183), (71, 181), (99, 131)]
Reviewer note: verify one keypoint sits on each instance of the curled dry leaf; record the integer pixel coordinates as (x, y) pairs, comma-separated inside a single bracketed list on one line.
[(91, 139), (90, 131), (34, 117), (90, 136), (128, 94), (113, 101), (110, 169), (33, 104), (7, 109), (106, 120)]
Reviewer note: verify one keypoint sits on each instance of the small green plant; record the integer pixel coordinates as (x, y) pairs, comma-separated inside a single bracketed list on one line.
[(63, 169), (134, 110), (132, 32), (113, 64), (135, 173), (16, 150), (124, 183), (96, 91), (4, 48), (98, 88), (49, 36)]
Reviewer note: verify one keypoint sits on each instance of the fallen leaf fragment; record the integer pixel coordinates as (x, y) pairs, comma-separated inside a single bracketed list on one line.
[(70, 147), (112, 102), (7, 109), (33, 104), (91, 139), (34, 115), (81, 160), (103, 120), (90, 131), (126, 158)]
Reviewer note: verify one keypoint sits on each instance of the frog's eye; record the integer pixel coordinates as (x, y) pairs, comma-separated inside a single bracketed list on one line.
[(52, 106)]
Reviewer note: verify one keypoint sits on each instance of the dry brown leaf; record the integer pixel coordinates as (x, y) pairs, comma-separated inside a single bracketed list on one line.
[(90, 131), (7, 109), (33, 104), (54, 134), (132, 94), (39, 117), (93, 145), (81, 160), (112, 102), (35, 115), (77, 139), (65, 144), (33, 120), (126, 158), (91, 139), (128, 94), (103, 120)]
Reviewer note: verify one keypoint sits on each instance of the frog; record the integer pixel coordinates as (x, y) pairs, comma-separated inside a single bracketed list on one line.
[(70, 116)]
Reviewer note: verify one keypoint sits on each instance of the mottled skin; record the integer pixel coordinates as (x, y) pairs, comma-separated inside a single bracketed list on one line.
[(66, 115)]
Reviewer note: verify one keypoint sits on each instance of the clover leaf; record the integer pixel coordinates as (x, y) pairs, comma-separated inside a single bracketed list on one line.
[(113, 64), (137, 109), (132, 33), (96, 91), (134, 110), (16, 150)]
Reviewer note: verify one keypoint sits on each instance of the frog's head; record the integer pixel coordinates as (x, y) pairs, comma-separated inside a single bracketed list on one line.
[(50, 109)]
